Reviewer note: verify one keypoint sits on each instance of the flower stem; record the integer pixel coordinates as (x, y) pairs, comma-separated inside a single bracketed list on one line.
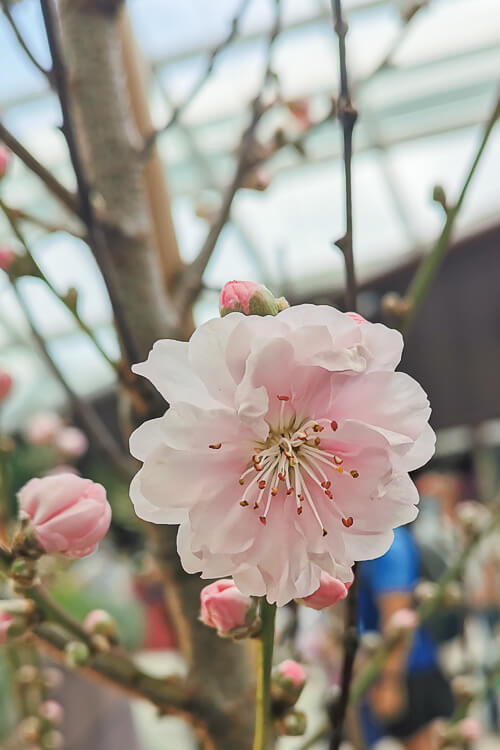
[(265, 662)]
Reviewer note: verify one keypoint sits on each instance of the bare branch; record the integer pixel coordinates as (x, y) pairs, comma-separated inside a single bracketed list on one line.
[(71, 308), (22, 43), (179, 109), (89, 417), (68, 199), (347, 115), (430, 265), (247, 158), (96, 237), (19, 214)]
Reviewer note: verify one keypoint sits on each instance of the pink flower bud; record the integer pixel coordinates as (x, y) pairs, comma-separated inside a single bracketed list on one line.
[(4, 161), (70, 514), (292, 671), (223, 607), (99, 621), (403, 619), (72, 442), (53, 712), (43, 428), (330, 591), (5, 385), (6, 621), (471, 729), (248, 298), (357, 318), (288, 679), (7, 256)]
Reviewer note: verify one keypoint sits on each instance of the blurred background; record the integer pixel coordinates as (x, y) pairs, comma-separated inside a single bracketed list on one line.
[(424, 88)]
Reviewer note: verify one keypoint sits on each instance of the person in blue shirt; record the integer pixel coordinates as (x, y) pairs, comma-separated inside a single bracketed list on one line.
[(412, 691)]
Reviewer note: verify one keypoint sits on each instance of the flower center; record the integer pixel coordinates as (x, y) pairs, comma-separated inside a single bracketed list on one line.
[(290, 460)]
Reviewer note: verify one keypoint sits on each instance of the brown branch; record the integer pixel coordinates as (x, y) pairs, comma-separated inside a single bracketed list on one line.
[(347, 116), (247, 159), (68, 199), (37, 271), (96, 237), (89, 417), (180, 108), (22, 43), (19, 214)]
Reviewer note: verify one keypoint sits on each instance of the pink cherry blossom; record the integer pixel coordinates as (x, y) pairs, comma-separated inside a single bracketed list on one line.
[(5, 385), (292, 671), (6, 621), (286, 449), (72, 442), (70, 514), (4, 160), (7, 256), (223, 607), (43, 428), (330, 591)]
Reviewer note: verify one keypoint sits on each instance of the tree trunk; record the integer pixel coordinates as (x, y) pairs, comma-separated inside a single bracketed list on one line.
[(111, 145)]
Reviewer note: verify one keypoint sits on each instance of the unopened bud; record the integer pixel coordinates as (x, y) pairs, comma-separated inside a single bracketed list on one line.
[(53, 740), (248, 298), (77, 654), (465, 688), (225, 608), (29, 729), (288, 680), (292, 724), (371, 642), (23, 569), (53, 712), (453, 595), (27, 674), (394, 305), (401, 625), (439, 196), (472, 516), (424, 591)]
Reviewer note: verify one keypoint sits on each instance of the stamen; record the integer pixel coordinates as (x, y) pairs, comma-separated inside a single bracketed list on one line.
[(318, 428), (262, 484), (329, 494), (299, 510), (326, 485), (243, 503), (242, 481), (289, 491), (348, 522), (338, 460), (354, 474), (317, 441), (284, 398), (274, 491), (281, 476), (325, 532), (334, 425), (263, 520), (215, 446)]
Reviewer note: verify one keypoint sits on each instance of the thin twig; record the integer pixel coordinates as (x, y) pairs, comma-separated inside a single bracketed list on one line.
[(96, 238), (430, 265), (22, 43), (200, 83), (71, 308), (68, 199), (191, 282), (89, 417), (48, 226), (347, 115)]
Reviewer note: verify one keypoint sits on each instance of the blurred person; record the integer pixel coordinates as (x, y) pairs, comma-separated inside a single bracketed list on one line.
[(412, 691)]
